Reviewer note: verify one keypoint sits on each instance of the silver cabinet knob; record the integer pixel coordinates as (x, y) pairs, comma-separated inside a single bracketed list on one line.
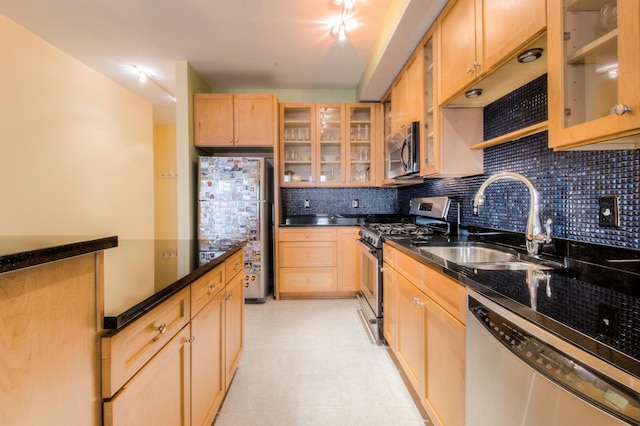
[(476, 64), (621, 109), (469, 70), (162, 328)]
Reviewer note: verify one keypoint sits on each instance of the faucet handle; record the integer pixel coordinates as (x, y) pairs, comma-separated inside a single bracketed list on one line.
[(546, 237)]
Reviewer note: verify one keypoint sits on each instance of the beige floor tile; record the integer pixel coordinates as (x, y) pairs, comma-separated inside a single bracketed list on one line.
[(310, 362)]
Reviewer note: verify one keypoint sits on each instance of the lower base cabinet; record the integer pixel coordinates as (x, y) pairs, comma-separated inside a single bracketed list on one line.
[(159, 394), (424, 327), (174, 365)]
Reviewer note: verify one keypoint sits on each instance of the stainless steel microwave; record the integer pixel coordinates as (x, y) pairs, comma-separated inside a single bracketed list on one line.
[(403, 152)]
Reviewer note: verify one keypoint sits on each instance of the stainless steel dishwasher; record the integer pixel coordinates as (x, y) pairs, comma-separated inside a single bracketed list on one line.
[(519, 374)]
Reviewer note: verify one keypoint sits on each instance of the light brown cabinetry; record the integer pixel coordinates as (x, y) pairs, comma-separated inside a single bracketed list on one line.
[(49, 353), (478, 35), (235, 120), (308, 262), (594, 74), (331, 145), (174, 364), (406, 94), (426, 332)]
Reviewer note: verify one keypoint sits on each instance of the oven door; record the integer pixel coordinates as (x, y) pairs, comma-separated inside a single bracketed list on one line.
[(370, 282)]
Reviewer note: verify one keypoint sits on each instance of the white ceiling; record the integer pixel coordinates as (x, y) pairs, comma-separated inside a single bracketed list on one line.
[(232, 44)]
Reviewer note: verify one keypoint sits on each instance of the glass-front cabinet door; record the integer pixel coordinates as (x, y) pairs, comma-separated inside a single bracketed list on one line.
[(360, 148), (428, 154), (330, 134), (297, 133), (594, 71)]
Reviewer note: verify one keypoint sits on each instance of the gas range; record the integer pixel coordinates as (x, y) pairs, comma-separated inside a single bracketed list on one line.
[(427, 214), (374, 233)]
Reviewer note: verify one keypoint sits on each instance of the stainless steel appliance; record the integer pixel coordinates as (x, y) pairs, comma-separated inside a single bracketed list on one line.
[(234, 204), (403, 152), (518, 373), (372, 236)]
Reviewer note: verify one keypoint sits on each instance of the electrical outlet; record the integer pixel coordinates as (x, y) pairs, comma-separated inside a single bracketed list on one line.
[(608, 211), (355, 203), (307, 204)]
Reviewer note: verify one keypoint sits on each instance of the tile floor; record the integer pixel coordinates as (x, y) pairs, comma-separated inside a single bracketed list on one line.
[(310, 362)]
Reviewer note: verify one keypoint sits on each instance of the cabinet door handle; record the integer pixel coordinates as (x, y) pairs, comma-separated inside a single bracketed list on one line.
[(162, 328), (469, 70), (230, 141), (191, 339), (212, 286), (476, 64), (621, 109)]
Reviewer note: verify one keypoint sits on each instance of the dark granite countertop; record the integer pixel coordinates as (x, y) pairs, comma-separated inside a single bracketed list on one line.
[(17, 252), (570, 302), (140, 274)]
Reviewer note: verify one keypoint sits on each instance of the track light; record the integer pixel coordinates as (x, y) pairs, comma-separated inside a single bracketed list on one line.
[(144, 77)]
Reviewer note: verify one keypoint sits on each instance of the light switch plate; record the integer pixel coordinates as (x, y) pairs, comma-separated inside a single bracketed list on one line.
[(608, 211)]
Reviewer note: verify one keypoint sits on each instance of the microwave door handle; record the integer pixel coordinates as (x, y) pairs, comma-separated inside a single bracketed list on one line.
[(405, 147)]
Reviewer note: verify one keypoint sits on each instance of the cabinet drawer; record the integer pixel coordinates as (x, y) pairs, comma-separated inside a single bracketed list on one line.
[(295, 254), (404, 264), (448, 293), (307, 280), (126, 351), (206, 287), (307, 234), (234, 264)]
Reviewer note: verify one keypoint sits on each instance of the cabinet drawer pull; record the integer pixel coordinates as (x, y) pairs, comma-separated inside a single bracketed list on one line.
[(191, 339), (212, 286), (621, 109), (162, 328)]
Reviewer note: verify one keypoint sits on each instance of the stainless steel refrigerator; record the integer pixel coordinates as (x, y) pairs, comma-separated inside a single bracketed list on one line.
[(235, 204)]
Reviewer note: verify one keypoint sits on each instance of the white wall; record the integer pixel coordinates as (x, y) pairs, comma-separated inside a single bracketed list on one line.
[(76, 149)]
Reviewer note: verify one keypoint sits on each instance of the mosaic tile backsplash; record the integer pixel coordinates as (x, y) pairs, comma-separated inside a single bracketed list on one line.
[(569, 182)]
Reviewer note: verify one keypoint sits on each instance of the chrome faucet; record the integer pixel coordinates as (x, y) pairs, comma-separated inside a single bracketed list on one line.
[(534, 236)]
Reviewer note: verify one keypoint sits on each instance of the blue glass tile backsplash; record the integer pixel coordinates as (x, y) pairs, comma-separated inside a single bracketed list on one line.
[(569, 182)]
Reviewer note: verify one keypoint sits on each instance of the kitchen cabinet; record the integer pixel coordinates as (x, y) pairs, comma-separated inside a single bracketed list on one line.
[(159, 393), (233, 326), (174, 364), (208, 384), (348, 264), (331, 145), (307, 261), (317, 261), (406, 93), (594, 74), (235, 120), (478, 35), (50, 354), (424, 324)]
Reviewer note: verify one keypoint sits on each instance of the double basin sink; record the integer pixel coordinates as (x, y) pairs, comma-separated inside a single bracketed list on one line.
[(485, 256)]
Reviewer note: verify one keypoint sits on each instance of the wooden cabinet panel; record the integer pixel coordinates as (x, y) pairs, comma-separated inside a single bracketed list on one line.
[(126, 351), (411, 334), (158, 394), (233, 326), (205, 288), (227, 120), (445, 369), (307, 280), (391, 295), (450, 294), (234, 265), (301, 254), (348, 259), (49, 355), (207, 361), (307, 234)]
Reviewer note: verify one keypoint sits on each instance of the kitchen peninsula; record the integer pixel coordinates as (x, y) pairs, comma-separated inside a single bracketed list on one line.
[(105, 326)]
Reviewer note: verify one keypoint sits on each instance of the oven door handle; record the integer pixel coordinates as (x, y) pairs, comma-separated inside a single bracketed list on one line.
[(367, 247)]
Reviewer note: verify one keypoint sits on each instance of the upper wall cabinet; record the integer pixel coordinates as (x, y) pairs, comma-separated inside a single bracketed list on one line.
[(238, 120), (594, 72), (478, 35), (406, 94)]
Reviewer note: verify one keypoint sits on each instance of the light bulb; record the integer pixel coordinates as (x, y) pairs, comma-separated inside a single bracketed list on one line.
[(348, 4)]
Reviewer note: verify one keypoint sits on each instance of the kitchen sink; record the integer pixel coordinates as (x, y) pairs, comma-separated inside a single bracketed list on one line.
[(483, 257)]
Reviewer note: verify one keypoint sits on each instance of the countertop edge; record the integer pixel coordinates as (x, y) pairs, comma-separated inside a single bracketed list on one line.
[(587, 343), (40, 256), (113, 324)]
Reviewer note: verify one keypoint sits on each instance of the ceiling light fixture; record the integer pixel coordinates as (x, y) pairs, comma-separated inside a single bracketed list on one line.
[(473, 93), (339, 30), (144, 77)]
